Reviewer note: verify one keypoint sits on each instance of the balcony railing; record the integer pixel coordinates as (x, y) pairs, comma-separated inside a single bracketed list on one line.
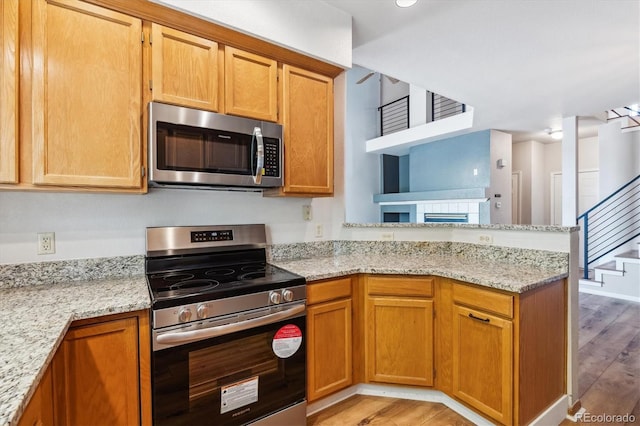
[(394, 116)]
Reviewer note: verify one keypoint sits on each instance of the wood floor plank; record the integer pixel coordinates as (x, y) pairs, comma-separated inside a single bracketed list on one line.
[(616, 392), (604, 313), (602, 350), (351, 411)]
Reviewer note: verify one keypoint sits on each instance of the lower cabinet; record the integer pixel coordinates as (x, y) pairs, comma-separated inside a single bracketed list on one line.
[(399, 330), (329, 341), (100, 375), (39, 411), (482, 362), (502, 354), (508, 349)]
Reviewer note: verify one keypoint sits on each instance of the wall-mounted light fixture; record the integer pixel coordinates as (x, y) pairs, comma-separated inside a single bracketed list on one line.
[(555, 134), (501, 163), (405, 3)]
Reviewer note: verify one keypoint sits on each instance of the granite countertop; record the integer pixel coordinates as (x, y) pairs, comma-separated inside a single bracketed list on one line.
[(513, 277), (34, 321)]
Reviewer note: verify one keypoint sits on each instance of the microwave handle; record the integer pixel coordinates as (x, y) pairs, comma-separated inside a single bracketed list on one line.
[(257, 135), (221, 330)]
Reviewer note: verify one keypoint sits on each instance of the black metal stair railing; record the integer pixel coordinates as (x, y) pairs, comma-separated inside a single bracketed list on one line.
[(394, 116), (611, 223)]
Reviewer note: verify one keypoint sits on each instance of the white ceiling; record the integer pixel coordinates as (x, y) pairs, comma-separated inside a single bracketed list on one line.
[(522, 64)]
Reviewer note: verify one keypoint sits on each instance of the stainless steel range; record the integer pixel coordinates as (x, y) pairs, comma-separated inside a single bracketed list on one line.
[(228, 329)]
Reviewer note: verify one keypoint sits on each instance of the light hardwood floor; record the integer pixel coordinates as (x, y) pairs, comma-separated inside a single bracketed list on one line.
[(609, 375)]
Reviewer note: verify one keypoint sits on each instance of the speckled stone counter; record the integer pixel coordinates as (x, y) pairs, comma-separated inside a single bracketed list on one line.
[(35, 319), (505, 268), (489, 273)]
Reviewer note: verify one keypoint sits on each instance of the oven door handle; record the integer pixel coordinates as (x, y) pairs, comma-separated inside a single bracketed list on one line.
[(192, 336)]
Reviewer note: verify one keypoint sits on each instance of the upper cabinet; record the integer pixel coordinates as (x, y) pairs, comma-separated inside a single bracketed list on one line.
[(308, 132), (9, 91), (184, 69), (86, 95), (250, 85)]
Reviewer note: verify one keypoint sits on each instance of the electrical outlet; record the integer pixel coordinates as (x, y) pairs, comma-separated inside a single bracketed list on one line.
[(386, 236), (485, 239), (46, 242), (306, 212), (319, 230)]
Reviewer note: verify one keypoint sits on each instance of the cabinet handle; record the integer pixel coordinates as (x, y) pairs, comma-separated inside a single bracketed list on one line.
[(479, 319)]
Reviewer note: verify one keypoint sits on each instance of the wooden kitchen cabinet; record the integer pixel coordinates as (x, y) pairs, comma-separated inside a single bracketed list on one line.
[(329, 331), (39, 410), (308, 133), (101, 372), (9, 91), (398, 323), (86, 96), (507, 350), (250, 85), (184, 69), (483, 362)]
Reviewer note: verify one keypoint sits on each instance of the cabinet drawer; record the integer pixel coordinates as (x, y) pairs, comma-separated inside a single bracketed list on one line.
[(487, 300), (400, 286), (323, 291)]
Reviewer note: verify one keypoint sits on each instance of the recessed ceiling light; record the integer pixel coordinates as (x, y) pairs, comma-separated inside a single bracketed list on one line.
[(405, 3)]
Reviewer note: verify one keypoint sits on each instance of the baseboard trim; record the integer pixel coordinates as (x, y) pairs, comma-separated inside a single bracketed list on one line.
[(554, 415), (605, 293)]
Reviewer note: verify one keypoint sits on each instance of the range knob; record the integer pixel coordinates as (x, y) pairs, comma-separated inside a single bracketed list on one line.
[(275, 297), (287, 295), (184, 315), (202, 311)]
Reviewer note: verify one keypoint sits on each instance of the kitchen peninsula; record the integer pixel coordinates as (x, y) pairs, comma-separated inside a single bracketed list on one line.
[(452, 277)]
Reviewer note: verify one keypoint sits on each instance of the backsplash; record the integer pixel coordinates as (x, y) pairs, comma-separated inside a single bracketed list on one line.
[(64, 271)]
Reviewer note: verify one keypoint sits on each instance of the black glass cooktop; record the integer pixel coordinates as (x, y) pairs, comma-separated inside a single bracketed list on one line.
[(174, 287)]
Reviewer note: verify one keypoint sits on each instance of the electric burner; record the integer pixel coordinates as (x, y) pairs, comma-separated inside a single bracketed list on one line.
[(187, 265)]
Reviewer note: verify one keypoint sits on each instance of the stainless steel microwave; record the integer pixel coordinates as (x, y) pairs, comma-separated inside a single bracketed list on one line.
[(195, 148)]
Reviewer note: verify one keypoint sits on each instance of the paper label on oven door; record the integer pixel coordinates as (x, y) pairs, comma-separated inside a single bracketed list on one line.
[(238, 394), (287, 341)]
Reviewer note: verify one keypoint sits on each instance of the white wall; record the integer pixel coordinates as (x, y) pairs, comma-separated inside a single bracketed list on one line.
[(500, 148), (619, 155), (521, 155), (362, 169), (313, 28), (538, 188)]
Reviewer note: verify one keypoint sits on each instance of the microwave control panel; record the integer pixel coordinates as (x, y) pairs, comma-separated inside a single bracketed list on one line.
[(271, 157)]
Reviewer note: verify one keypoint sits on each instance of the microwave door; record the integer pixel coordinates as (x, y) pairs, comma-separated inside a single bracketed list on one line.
[(228, 153), (184, 151)]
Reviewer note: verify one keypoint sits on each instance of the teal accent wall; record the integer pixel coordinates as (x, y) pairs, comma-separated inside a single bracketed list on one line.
[(449, 163)]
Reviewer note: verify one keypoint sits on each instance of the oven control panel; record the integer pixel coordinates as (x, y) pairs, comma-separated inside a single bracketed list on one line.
[(211, 236), (212, 309)]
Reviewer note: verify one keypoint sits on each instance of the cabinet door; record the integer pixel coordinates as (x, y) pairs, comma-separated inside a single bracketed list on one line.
[(329, 348), (86, 91), (483, 362), (399, 340), (308, 132), (9, 91), (184, 68), (250, 84), (39, 411), (96, 375)]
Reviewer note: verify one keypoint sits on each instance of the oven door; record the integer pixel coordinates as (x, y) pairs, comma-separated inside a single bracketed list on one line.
[(233, 378)]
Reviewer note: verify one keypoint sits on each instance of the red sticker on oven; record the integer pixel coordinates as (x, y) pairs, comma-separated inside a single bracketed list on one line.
[(287, 341)]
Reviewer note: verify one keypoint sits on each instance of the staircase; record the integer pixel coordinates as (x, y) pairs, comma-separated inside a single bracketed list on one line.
[(608, 227)]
